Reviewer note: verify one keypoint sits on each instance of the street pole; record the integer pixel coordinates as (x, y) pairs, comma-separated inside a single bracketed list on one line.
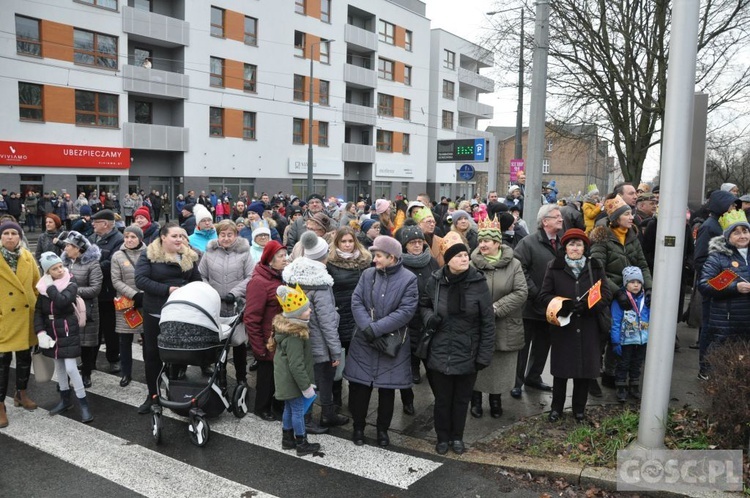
[(670, 231), (535, 153), (519, 112)]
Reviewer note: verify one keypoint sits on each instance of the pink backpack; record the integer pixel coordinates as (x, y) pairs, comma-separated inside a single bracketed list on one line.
[(80, 306)]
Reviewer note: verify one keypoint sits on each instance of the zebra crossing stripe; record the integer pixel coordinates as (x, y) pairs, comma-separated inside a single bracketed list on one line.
[(116, 460), (369, 462)]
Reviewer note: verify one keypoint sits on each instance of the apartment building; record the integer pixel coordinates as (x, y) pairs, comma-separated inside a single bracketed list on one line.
[(176, 95)]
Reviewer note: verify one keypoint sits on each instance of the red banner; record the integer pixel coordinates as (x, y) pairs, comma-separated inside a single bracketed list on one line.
[(63, 156)]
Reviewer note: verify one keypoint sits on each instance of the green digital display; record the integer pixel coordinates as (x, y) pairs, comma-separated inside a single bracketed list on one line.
[(465, 150), (471, 149)]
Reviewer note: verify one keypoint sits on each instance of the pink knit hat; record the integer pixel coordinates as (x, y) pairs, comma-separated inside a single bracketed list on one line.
[(382, 205)]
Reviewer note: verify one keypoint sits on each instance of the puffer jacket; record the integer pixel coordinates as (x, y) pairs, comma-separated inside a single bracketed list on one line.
[(292, 361), (384, 300), (109, 243), (200, 238), (123, 280), (55, 315), (156, 271), (88, 276), (151, 233), (422, 266), (507, 285), (227, 270), (729, 313), (261, 306), (614, 256), (630, 327), (313, 278), (345, 274), (462, 340), (590, 212), (44, 244), (718, 204)]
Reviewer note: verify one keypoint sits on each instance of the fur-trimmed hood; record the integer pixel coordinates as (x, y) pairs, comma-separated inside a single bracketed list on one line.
[(720, 245), (93, 253), (155, 253), (241, 245), (305, 271), (599, 234), (283, 325), (361, 263)]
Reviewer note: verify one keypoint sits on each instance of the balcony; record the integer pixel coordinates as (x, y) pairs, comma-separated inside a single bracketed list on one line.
[(471, 78), (361, 37), (481, 111), (360, 76), (359, 114), (155, 82), (155, 28), (358, 153), (155, 137)]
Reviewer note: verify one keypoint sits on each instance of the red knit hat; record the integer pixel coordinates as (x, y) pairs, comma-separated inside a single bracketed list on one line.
[(272, 247), (55, 218), (143, 211)]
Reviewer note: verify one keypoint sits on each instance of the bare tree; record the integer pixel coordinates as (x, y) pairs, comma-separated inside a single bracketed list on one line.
[(608, 64), (728, 161)]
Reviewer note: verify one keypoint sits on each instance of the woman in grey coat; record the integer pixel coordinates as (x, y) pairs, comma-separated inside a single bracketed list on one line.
[(81, 258), (384, 301)]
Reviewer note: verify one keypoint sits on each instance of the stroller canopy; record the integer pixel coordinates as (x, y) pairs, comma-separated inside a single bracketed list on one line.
[(195, 303)]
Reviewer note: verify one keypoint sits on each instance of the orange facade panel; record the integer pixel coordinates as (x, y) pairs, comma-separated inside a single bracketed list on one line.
[(59, 104), (312, 8), (315, 132), (400, 37), (233, 123), (234, 28), (234, 74), (312, 47), (398, 107), (398, 71), (57, 41), (398, 142)]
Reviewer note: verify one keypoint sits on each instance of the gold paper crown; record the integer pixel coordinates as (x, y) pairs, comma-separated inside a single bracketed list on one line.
[(732, 217), (291, 298), (489, 224)]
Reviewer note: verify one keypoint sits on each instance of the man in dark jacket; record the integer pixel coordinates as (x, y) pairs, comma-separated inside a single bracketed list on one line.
[(188, 222), (534, 252), (299, 226), (109, 240)]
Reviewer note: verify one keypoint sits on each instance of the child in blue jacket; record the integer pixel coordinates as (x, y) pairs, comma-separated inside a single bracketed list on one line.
[(629, 335)]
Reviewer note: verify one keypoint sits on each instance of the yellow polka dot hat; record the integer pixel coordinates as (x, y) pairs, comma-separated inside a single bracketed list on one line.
[(293, 300)]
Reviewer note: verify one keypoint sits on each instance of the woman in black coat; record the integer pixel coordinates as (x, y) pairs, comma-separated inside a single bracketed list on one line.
[(575, 352), (457, 305)]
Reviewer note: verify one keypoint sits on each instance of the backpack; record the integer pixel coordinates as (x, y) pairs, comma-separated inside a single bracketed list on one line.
[(80, 306)]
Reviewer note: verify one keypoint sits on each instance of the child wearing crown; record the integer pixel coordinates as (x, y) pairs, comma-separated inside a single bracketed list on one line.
[(293, 367)]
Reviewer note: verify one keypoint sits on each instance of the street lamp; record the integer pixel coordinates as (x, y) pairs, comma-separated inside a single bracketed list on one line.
[(310, 120)]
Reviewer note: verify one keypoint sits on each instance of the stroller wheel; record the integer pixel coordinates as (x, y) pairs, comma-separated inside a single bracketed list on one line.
[(239, 400), (156, 427), (199, 431)]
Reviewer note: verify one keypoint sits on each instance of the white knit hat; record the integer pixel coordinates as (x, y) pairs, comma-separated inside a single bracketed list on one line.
[(201, 213), (314, 247)]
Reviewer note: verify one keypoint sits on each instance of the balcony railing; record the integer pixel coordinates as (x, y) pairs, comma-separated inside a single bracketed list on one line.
[(144, 81), (155, 137)]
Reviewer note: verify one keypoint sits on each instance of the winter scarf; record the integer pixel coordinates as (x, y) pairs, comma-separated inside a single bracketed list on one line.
[(11, 257), (576, 265), (46, 281), (348, 255), (456, 295), (418, 261), (620, 233)]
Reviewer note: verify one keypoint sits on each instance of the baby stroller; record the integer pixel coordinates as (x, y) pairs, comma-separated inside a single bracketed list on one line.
[(193, 333)]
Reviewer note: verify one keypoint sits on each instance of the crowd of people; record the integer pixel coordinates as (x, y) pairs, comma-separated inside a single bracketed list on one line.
[(346, 297)]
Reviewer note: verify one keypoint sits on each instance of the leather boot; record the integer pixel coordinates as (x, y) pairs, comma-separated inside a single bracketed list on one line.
[(304, 447), (476, 404), (86, 415), (64, 404), (496, 405), (312, 427), (20, 399), (3, 416), (329, 417), (287, 439)]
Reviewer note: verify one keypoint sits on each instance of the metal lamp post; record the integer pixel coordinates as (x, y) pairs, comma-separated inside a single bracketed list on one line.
[(310, 120)]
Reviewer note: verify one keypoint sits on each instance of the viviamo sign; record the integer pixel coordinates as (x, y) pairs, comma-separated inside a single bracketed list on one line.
[(63, 156)]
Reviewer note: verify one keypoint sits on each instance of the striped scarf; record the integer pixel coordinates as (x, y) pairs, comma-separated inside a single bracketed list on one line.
[(11, 257)]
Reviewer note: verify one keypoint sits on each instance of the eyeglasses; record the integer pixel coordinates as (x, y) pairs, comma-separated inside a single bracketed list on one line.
[(429, 220), (558, 217)]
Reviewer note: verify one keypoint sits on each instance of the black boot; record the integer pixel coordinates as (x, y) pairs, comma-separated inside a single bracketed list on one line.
[(595, 389), (635, 391), (86, 415), (64, 404), (287, 439), (304, 447), (329, 417), (496, 405), (312, 427), (337, 389), (622, 394), (476, 404)]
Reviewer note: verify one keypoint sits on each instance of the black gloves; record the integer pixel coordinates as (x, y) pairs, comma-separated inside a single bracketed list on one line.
[(581, 306), (138, 299), (368, 334), (479, 366), (229, 298), (566, 308), (434, 322), (623, 301), (647, 298)]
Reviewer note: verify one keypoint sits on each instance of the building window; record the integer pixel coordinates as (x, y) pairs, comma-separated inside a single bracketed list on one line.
[(28, 40), (407, 109), (248, 125), (325, 52), (324, 93), (299, 88), (299, 187), (94, 49), (408, 40), (385, 141), (144, 5), (385, 69), (96, 109), (386, 32), (217, 72), (385, 105), (216, 122), (217, 22), (143, 112), (322, 134), (407, 75), (449, 89), (448, 120), (105, 4), (549, 145), (251, 31), (449, 59), (299, 43), (249, 84), (325, 11), (140, 55), (381, 190), (299, 6), (30, 102), (405, 143), (545, 166), (298, 126)]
